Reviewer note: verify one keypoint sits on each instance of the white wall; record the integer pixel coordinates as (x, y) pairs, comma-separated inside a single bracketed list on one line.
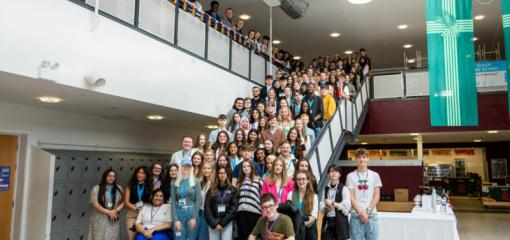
[(134, 65), (38, 127)]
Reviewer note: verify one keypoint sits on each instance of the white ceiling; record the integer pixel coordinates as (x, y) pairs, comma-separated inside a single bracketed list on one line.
[(372, 26), (437, 137), (24, 91)]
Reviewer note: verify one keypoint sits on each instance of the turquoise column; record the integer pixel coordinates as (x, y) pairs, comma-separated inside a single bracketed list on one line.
[(505, 7), (451, 58)]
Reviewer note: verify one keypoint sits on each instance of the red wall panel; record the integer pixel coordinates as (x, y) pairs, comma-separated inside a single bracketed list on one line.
[(413, 115)]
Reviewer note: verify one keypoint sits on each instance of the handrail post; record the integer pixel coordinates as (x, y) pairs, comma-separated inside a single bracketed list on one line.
[(249, 64), (206, 48), (230, 54), (176, 23), (136, 20)]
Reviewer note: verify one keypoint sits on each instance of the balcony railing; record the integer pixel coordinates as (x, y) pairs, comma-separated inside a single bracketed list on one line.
[(190, 31)]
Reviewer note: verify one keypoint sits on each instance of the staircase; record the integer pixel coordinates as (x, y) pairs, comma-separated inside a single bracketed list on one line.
[(344, 125)]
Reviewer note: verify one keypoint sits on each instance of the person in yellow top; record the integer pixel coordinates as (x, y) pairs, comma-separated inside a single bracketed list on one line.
[(329, 102)]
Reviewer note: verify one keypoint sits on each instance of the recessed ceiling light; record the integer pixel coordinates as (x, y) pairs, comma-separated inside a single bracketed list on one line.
[(50, 99), (408, 46), (402, 26), (212, 126), (348, 52), (415, 139), (359, 1), (492, 131), (479, 17), (335, 34), (411, 61), (414, 134), (244, 16), (474, 39), (276, 42), (364, 143), (296, 58), (477, 140), (155, 117)]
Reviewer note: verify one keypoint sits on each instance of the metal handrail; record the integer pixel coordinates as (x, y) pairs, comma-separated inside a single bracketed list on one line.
[(205, 58), (364, 97)]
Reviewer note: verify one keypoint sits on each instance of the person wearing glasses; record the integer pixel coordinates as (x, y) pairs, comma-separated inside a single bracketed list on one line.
[(186, 200), (273, 225), (305, 200), (221, 206), (153, 221)]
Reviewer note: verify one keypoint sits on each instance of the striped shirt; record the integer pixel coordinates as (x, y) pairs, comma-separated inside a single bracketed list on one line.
[(249, 198)]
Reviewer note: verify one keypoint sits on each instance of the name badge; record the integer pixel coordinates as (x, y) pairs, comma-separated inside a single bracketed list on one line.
[(149, 226), (139, 204), (177, 234), (182, 202), (221, 208), (109, 205)]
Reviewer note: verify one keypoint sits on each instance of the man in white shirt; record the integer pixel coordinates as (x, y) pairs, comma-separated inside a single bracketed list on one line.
[(364, 186), (222, 126), (186, 152)]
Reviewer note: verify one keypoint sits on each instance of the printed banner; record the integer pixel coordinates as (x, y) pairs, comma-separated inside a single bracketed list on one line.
[(505, 7), (491, 74), (453, 99)]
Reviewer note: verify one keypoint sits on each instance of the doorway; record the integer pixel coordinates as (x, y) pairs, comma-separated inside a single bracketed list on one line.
[(8, 154)]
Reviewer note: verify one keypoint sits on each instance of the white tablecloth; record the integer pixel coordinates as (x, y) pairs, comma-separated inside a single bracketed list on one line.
[(418, 225)]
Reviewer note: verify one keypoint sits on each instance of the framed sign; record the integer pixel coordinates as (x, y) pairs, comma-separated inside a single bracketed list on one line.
[(499, 168), (5, 177)]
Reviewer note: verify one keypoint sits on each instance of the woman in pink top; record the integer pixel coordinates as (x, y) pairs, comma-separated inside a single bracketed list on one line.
[(277, 182)]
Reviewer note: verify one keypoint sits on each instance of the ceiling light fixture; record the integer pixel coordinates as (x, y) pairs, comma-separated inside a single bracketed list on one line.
[(474, 39), (477, 140), (415, 139), (414, 134), (296, 58), (244, 16), (408, 46), (155, 117), (334, 34), (492, 131), (359, 1), (402, 26), (212, 126), (348, 52), (364, 143), (276, 42), (411, 61), (479, 17), (50, 99)]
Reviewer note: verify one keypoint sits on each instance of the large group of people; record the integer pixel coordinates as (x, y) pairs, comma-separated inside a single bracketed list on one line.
[(202, 199), (250, 177)]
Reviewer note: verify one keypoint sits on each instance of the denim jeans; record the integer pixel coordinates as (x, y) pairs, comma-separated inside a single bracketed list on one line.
[(184, 215), (203, 227), (224, 234), (364, 231)]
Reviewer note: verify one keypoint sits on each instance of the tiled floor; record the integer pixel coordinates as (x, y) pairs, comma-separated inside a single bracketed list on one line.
[(483, 226)]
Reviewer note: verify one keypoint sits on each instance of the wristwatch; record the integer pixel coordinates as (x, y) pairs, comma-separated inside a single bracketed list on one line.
[(369, 210)]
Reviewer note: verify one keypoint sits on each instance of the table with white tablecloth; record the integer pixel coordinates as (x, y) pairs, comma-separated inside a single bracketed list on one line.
[(417, 225)]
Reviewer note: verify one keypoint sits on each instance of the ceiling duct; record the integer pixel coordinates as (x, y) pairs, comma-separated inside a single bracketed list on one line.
[(294, 8)]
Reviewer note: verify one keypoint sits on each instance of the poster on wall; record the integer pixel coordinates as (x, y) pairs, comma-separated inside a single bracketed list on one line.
[(464, 152), (5, 176), (498, 168), (491, 74)]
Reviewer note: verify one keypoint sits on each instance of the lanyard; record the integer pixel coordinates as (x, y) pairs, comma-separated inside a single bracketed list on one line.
[(183, 156), (270, 228), (292, 149), (222, 196), (300, 204), (263, 168), (182, 187), (140, 191), (154, 213), (233, 162), (310, 102), (279, 193), (332, 194)]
